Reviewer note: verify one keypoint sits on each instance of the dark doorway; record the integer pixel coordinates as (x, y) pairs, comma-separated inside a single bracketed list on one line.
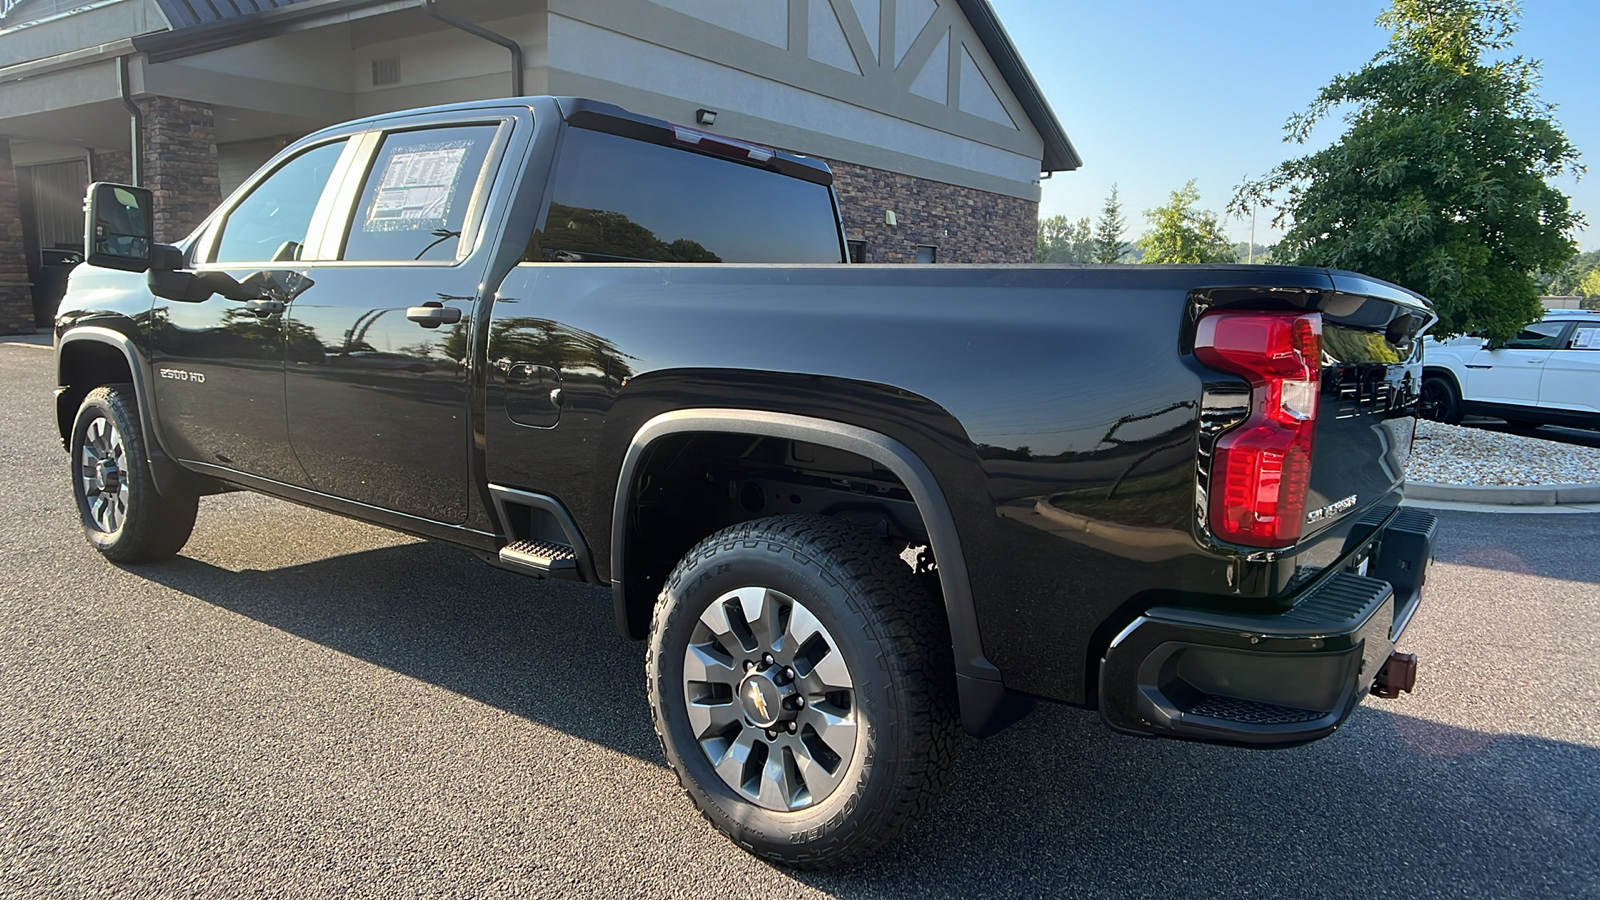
[(51, 197)]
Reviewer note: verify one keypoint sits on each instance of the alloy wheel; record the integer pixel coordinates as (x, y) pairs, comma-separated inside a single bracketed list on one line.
[(104, 473), (770, 698)]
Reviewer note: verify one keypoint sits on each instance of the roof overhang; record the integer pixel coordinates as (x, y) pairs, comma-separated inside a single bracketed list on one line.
[(232, 30)]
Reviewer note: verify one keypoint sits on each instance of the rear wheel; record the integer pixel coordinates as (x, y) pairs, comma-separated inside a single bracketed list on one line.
[(1441, 400), (801, 684), (123, 515)]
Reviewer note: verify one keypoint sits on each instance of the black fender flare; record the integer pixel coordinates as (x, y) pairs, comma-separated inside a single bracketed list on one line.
[(979, 685), (163, 471)]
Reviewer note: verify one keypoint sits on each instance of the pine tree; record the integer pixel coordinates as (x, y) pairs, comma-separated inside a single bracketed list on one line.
[(1109, 247)]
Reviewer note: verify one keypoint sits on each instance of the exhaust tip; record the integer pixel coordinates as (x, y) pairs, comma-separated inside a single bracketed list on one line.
[(1398, 676)]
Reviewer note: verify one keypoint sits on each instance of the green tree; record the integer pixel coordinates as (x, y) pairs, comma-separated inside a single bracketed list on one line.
[(1179, 233), (1062, 240), (1440, 181), (1589, 287), (1563, 282), (1109, 247)]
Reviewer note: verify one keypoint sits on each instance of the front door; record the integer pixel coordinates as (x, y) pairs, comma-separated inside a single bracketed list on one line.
[(1510, 374), (380, 413), (219, 364)]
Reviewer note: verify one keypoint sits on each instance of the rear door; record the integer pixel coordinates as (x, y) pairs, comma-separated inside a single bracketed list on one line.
[(1572, 373), (378, 408)]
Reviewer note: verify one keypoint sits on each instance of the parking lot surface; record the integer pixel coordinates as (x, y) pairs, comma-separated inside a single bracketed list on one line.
[(306, 706)]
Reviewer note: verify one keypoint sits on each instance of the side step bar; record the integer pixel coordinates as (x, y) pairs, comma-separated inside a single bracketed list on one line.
[(546, 558), (542, 538)]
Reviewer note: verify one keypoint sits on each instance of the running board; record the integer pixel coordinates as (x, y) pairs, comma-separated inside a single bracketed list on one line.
[(545, 558)]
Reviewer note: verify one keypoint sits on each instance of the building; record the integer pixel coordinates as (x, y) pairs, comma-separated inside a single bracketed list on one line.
[(936, 132)]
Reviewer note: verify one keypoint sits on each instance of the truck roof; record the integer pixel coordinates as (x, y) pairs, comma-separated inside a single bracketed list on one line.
[(600, 116)]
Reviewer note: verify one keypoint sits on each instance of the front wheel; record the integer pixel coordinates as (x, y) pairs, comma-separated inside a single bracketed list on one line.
[(123, 514), (801, 684), (1441, 402)]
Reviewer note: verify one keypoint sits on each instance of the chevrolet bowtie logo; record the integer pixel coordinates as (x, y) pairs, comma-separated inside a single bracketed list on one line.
[(757, 700)]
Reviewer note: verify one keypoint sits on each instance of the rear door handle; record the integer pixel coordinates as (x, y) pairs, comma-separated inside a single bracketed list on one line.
[(433, 314)]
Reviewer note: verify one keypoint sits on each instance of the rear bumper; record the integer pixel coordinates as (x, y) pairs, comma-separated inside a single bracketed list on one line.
[(1270, 680)]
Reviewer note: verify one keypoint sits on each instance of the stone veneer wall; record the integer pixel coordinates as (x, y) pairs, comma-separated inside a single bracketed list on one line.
[(16, 291), (112, 165), (966, 224), (180, 164)]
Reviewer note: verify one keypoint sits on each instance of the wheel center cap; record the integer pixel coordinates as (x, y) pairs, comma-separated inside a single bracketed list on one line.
[(762, 700), (105, 472)]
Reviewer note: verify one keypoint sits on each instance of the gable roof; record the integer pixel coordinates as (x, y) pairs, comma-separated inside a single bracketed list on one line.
[(1059, 154), (214, 16)]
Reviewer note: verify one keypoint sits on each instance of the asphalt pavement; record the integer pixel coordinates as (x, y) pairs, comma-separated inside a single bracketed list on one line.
[(305, 706)]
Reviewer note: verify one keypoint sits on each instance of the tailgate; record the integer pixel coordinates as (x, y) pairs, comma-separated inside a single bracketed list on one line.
[(1368, 380), (1366, 411)]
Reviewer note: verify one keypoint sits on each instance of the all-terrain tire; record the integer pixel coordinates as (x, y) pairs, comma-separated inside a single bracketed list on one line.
[(892, 636), (123, 514)]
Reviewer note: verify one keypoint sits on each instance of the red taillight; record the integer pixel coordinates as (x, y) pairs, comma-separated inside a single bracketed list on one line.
[(1261, 470)]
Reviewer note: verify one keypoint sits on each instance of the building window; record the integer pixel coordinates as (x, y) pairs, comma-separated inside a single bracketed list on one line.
[(927, 254), (858, 251)]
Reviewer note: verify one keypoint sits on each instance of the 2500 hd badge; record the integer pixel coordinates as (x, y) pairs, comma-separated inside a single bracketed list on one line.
[(183, 375)]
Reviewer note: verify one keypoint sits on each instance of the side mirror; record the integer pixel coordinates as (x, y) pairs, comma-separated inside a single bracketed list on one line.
[(118, 227)]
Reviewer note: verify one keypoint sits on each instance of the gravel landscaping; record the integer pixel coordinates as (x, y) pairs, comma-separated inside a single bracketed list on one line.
[(1450, 454)]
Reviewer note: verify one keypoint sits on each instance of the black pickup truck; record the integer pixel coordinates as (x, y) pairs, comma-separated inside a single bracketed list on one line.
[(851, 508)]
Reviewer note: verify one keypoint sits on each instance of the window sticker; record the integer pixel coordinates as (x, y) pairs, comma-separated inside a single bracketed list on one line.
[(1586, 339), (417, 188)]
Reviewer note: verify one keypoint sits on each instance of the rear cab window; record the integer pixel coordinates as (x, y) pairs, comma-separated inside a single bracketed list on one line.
[(616, 199)]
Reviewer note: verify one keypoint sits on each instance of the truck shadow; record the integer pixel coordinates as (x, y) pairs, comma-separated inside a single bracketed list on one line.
[(1055, 805), (1391, 805)]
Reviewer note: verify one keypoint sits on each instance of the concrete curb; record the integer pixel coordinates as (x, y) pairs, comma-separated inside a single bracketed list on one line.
[(1505, 495)]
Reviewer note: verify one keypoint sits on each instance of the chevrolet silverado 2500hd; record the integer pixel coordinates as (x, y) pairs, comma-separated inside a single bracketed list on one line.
[(851, 508)]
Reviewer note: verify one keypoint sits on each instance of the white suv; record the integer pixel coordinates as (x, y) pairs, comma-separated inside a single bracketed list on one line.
[(1549, 374)]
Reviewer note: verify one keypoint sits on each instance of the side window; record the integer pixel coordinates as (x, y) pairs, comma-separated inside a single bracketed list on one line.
[(270, 224), (416, 196), (615, 199), (1587, 337), (1538, 336)]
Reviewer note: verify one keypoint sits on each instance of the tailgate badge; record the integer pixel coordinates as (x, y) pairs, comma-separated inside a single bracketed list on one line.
[(1332, 509)]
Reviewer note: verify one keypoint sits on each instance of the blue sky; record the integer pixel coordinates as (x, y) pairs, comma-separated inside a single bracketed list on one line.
[(1156, 92)]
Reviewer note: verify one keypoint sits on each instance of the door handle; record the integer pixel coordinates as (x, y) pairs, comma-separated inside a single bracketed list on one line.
[(433, 314), (264, 308)]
